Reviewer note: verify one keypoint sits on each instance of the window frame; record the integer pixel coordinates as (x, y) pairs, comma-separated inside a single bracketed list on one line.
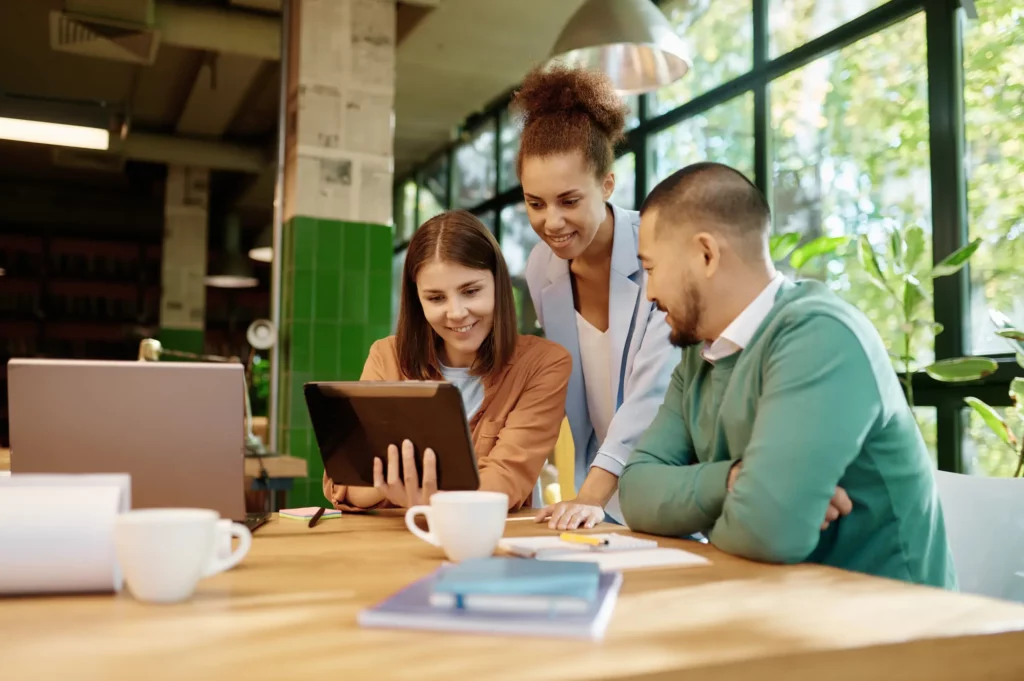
[(944, 66)]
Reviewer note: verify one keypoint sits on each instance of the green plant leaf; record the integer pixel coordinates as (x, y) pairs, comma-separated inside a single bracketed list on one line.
[(1014, 337), (1006, 329), (781, 245), (823, 245), (869, 261), (1020, 359), (913, 295), (1000, 320), (1012, 334), (1017, 391), (915, 245), (993, 420), (961, 369), (896, 247), (937, 328), (953, 262)]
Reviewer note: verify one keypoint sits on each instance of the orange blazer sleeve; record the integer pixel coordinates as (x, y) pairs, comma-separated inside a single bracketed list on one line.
[(530, 431), (373, 370)]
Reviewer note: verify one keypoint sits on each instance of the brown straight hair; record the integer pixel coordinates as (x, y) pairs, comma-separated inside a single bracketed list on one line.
[(454, 237)]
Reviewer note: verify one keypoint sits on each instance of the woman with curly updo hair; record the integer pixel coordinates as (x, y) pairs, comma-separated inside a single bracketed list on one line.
[(586, 282)]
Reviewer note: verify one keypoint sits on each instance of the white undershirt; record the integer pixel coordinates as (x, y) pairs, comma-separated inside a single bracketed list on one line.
[(597, 378), (471, 387), (595, 351)]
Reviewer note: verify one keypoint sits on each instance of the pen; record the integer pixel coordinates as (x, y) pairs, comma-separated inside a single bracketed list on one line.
[(582, 539), (316, 517)]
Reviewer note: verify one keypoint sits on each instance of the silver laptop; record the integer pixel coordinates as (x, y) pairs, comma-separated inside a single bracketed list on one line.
[(176, 427)]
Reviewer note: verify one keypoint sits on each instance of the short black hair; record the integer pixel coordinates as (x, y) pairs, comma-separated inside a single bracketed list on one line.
[(711, 192)]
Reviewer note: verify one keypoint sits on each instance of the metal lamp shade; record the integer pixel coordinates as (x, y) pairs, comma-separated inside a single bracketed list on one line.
[(629, 40), (263, 250), (233, 273), (234, 270)]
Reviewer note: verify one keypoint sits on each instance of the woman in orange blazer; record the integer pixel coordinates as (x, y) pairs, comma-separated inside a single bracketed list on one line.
[(457, 322)]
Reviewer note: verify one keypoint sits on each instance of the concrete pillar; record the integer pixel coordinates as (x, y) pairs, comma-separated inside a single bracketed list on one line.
[(337, 236), (183, 291)]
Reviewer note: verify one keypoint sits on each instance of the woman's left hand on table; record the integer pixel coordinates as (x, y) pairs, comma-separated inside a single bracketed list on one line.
[(569, 515)]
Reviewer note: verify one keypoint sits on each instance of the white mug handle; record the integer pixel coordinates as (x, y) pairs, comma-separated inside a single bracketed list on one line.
[(410, 522), (218, 564)]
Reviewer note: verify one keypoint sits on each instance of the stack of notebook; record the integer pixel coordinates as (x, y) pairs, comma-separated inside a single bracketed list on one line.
[(505, 596)]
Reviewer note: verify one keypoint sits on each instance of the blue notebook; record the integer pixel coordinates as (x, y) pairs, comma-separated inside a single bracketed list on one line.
[(518, 577), (411, 608)]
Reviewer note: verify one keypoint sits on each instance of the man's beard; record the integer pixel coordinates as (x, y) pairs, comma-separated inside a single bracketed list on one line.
[(685, 334)]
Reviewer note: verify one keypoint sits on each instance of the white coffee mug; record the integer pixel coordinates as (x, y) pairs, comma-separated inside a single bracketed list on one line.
[(164, 553), (224, 537), (464, 524)]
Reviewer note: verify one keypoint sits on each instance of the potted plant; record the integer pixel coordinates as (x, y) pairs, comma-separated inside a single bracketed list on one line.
[(964, 369), (904, 274)]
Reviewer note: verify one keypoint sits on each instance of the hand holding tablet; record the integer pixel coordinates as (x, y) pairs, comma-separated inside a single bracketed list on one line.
[(405, 440), (406, 491)]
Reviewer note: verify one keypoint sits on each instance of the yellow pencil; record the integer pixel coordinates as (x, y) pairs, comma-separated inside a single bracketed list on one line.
[(582, 539)]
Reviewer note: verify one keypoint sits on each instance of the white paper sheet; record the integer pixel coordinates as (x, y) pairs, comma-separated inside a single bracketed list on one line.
[(57, 532), (632, 560), (624, 552)]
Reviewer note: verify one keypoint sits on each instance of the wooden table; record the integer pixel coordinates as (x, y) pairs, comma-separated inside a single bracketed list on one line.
[(288, 612)]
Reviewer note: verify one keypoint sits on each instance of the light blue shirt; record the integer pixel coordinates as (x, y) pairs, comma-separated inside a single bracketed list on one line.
[(471, 387)]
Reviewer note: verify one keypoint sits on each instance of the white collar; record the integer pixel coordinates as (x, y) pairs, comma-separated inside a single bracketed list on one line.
[(738, 334)]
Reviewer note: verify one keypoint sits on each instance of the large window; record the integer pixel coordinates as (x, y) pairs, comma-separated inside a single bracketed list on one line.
[(850, 156), (517, 240), (405, 211), (517, 237), (994, 111), (720, 34), (927, 418), (625, 181), (795, 22), (724, 134), (487, 217), (475, 168), (848, 116), (986, 454), (509, 150), (433, 191)]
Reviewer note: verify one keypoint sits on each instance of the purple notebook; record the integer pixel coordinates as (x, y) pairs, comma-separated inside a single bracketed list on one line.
[(410, 608)]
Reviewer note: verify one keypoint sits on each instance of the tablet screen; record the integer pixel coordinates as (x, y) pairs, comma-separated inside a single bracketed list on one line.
[(355, 421)]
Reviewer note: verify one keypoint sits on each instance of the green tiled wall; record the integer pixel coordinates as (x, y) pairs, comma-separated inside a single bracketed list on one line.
[(335, 302)]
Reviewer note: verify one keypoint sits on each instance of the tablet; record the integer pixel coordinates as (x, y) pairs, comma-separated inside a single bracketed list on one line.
[(355, 421)]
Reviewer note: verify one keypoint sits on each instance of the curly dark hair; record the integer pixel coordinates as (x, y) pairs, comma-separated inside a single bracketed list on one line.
[(563, 109)]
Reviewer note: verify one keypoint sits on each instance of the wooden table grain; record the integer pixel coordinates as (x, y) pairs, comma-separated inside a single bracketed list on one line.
[(289, 612)]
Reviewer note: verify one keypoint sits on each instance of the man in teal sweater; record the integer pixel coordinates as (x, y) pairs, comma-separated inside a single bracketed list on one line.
[(784, 435)]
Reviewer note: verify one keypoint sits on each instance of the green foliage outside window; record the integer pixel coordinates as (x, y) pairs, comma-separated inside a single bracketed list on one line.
[(850, 163)]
